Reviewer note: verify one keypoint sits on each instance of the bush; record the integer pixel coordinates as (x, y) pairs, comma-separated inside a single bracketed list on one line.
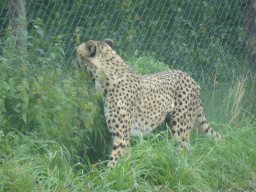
[(38, 94), (146, 64)]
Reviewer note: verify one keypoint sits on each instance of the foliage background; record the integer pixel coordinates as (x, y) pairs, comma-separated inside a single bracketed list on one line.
[(47, 105), (190, 35)]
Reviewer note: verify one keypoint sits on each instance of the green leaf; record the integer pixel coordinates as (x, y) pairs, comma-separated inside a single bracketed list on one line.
[(24, 117), (62, 51), (53, 55)]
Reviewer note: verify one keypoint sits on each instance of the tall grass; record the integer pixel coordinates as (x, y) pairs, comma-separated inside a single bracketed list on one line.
[(154, 165), (227, 103)]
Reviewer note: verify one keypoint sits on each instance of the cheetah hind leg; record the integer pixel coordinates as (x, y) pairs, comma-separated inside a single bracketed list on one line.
[(181, 131), (202, 124)]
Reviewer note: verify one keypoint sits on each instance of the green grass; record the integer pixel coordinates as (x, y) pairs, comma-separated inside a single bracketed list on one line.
[(228, 103), (154, 165)]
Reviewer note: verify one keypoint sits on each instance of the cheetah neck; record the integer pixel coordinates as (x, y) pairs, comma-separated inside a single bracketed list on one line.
[(112, 69)]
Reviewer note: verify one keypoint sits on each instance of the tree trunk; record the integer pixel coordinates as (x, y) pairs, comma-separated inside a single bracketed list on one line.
[(17, 20)]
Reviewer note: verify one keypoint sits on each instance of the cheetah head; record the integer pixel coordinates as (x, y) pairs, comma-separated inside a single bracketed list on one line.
[(91, 52)]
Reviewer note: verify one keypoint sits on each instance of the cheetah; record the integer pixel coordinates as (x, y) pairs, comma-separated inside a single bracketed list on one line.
[(135, 103)]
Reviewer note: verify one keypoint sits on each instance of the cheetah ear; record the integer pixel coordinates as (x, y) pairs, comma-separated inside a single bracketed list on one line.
[(109, 42)]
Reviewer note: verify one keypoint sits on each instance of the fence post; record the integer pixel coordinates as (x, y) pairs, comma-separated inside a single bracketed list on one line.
[(17, 21)]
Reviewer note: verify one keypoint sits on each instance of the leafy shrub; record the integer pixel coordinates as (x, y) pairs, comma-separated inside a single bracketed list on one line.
[(38, 94), (146, 64)]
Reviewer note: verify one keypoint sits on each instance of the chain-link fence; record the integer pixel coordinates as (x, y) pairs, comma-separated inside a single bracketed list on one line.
[(40, 92), (202, 37)]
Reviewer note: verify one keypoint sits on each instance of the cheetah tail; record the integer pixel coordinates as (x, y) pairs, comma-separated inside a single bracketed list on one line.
[(202, 124)]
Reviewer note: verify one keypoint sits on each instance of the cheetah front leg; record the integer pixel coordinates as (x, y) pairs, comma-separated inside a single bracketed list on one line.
[(120, 147), (120, 129)]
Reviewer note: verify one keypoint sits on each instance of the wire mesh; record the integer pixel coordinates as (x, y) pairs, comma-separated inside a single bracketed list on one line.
[(203, 37)]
